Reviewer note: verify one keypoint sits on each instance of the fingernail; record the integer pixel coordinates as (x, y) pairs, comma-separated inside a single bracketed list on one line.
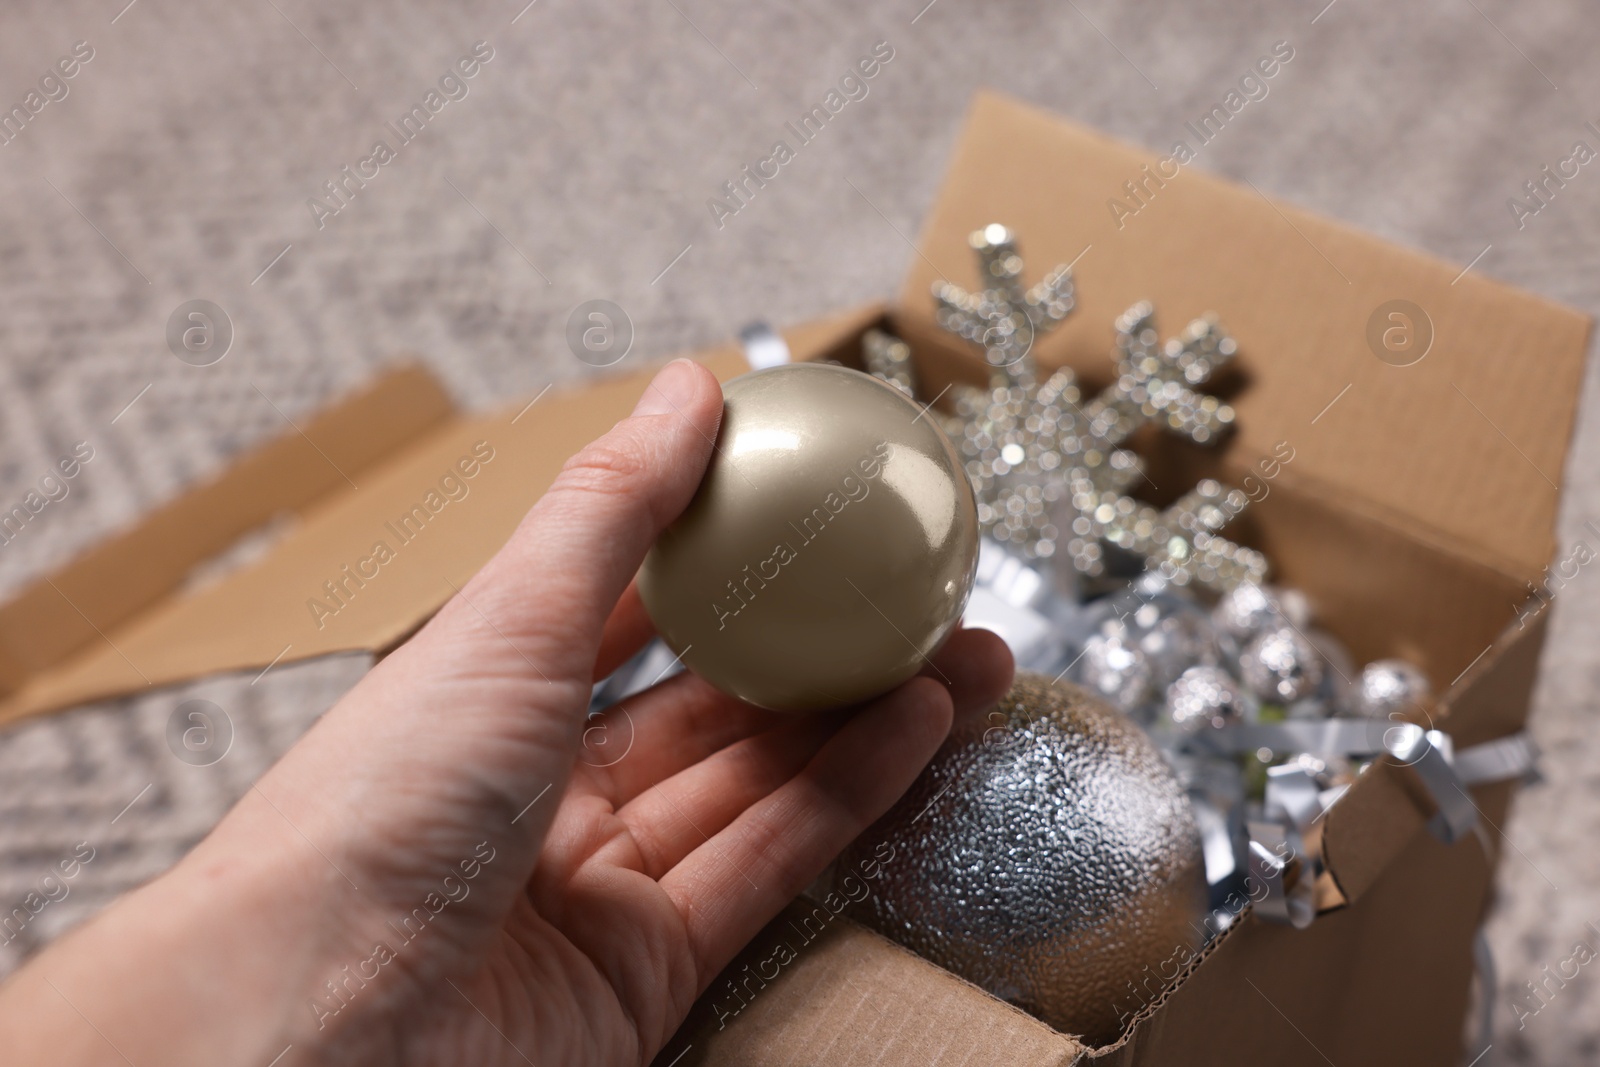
[(669, 391)]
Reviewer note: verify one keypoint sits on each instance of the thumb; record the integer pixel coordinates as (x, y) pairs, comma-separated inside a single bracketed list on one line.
[(483, 707), (538, 608)]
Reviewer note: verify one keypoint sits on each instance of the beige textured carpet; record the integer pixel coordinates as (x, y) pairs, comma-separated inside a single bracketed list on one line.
[(577, 166)]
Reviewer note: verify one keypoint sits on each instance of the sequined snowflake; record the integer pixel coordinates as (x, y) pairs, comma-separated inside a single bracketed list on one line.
[(1036, 451)]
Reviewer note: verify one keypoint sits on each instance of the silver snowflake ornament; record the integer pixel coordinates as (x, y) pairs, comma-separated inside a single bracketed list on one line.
[(1181, 543), (1038, 454), (1019, 444), (889, 358), (1002, 317), (1157, 383)]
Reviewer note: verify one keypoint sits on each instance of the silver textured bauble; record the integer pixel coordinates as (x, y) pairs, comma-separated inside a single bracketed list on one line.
[(1048, 855), (1207, 697), (1387, 688), (1281, 666)]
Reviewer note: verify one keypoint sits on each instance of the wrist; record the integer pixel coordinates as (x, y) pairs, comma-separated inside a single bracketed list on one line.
[(215, 962)]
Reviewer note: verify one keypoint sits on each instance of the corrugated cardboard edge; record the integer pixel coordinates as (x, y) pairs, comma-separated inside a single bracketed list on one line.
[(850, 998), (1244, 918), (1384, 980)]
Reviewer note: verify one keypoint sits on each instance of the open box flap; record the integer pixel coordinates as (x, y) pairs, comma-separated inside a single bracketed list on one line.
[(121, 618), (1464, 448), (60, 624)]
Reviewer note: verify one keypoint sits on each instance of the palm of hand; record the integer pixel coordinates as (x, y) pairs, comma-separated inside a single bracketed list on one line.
[(659, 866)]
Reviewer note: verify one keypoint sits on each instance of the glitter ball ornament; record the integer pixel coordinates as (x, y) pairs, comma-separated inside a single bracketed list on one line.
[(1165, 624), (1387, 688), (1280, 666), (1048, 855), (1116, 669), (1207, 697), (1248, 608)]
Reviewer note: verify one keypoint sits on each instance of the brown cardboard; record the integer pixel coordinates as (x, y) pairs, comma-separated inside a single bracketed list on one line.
[(60, 621), (1380, 517), (849, 998), (1383, 981)]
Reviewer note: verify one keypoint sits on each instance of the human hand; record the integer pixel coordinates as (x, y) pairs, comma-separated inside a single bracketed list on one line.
[(432, 875)]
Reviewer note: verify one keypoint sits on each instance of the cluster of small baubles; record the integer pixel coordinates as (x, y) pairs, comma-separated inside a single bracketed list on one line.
[(1140, 641), (1156, 653), (1286, 661)]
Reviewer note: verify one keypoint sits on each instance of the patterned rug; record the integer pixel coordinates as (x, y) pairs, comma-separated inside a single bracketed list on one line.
[(184, 155)]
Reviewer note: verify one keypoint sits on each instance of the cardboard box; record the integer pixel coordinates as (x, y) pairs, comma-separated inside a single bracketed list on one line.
[(1417, 512)]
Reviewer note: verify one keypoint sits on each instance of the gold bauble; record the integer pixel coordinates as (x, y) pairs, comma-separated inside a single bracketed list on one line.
[(829, 550), (1047, 854)]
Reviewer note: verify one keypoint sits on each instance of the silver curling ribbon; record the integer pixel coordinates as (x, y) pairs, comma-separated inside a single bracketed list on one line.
[(1320, 737), (1278, 862), (1019, 602), (763, 346), (1293, 789), (1216, 795), (653, 663), (1216, 841), (1515, 756), (1428, 753)]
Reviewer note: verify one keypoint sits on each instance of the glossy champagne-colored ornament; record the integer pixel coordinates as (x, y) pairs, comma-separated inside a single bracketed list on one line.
[(829, 550), (1049, 855)]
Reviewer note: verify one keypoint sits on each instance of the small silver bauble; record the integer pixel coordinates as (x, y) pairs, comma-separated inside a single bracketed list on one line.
[(1387, 688), (1249, 609), (1162, 621), (1207, 697), (1280, 666), (1175, 634), (1115, 668)]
